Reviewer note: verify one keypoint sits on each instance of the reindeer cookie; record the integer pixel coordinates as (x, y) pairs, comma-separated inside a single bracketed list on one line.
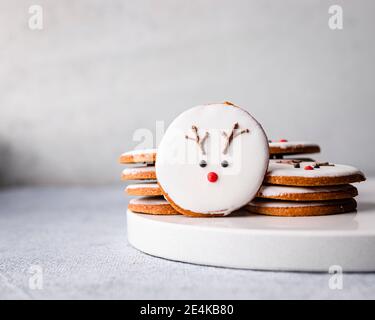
[(212, 160), (293, 172)]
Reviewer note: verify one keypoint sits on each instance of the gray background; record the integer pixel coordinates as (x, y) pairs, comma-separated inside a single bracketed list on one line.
[(72, 94)]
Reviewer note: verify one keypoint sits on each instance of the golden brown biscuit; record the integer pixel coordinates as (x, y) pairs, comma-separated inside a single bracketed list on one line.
[(345, 191), (151, 205), (283, 146), (139, 173), (292, 173), (144, 189), (295, 209), (138, 156)]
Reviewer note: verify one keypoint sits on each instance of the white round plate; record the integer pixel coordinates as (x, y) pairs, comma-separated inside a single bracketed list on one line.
[(251, 241)]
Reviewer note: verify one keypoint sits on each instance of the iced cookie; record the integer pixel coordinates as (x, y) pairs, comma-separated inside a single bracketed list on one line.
[(281, 147), (151, 205), (212, 160), (138, 156), (139, 173), (290, 193), (144, 189), (294, 209), (299, 173)]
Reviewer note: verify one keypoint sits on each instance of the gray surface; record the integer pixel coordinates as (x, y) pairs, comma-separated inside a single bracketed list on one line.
[(78, 237), (99, 70)]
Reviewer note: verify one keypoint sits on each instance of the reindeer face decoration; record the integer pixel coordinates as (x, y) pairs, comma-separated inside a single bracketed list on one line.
[(213, 176), (212, 160)]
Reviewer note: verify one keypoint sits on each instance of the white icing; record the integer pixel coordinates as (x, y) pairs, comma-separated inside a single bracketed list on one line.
[(185, 182), (274, 191), (140, 152), (131, 171), (287, 170), (293, 204), (292, 144), (154, 201), (143, 186)]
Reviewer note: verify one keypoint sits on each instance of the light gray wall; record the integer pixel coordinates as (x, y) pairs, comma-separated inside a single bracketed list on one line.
[(72, 94)]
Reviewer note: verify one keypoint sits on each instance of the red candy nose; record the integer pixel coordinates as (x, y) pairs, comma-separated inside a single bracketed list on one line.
[(212, 177), (309, 168)]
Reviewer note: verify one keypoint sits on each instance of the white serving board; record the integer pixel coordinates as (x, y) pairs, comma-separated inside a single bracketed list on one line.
[(252, 241)]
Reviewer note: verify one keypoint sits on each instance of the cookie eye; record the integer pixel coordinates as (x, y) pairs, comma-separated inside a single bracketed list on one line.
[(203, 164), (224, 163)]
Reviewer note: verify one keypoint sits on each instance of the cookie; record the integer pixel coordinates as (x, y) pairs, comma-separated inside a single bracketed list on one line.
[(139, 156), (294, 209), (139, 173), (151, 205), (297, 173), (344, 191), (212, 160), (144, 189), (283, 146)]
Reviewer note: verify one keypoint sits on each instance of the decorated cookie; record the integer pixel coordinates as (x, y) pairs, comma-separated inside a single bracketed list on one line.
[(151, 205), (139, 173), (283, 146), (212, 160), (344, 191), (294, 209), (144, 189), (139, 156), (299, 173)]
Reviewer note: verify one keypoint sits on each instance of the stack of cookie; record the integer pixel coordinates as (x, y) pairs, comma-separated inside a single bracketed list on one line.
[(140, 172), (295, 185), (304, 187)]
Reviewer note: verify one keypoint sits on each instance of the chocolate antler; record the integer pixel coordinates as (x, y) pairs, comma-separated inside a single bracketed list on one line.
[(197, 139), (232, 135), (322, 164), (294, 162)]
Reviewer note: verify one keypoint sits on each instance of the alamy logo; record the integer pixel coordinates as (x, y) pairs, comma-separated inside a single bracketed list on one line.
[(36, 18), (36, 278), (335, 282), (336, 20), (146, 137)]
